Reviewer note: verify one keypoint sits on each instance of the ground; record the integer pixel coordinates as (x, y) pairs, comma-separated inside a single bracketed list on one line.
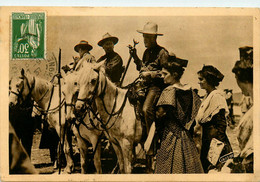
[(41, 157), (42, 162)]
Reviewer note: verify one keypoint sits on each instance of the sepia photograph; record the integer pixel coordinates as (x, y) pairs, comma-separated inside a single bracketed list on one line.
[(129, 94)]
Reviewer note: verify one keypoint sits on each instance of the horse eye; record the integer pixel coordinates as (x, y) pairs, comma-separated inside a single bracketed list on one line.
[(93, 81), (17, 86), (75, 83)]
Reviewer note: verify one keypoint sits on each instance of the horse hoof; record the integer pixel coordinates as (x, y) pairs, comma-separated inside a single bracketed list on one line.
[(68, 170)]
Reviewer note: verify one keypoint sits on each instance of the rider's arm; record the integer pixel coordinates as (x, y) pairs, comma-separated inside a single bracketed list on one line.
[(115, 64), (137, 61)]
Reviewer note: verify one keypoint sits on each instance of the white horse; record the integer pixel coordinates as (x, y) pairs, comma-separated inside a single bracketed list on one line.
[(117, 116), (46, 96), (82, 129)]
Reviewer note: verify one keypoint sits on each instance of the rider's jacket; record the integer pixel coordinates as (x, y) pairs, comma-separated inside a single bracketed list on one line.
[(153, 59), (113, 66), (86, 57)]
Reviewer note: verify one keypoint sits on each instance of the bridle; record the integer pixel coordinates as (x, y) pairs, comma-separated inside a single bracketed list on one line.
[(71, 104), (19, 94), (88, 105), (94, 93)]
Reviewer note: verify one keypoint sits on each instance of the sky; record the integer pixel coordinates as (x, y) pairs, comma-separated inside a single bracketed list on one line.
[(209, 40)]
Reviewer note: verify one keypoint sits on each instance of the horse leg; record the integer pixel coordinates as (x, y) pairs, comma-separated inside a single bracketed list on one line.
[(127, 149), (96, 144), (83, 149), (120, 158), (68, 150)]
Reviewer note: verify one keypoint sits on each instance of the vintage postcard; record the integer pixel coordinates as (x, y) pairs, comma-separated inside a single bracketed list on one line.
[(129, 94)]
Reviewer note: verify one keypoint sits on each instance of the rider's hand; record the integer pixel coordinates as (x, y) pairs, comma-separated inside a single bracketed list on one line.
[(132, 52), (145, 74), (75, 58), (65, 68)]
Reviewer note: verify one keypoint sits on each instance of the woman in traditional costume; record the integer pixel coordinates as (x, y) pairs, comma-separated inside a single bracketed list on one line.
[(243, 70), (176, 111), (212, 117)]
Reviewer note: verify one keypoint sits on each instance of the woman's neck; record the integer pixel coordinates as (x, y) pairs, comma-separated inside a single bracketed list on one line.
[(210, 89)]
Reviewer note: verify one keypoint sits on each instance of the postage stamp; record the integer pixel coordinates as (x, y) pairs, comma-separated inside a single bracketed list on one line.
[(28, 35)]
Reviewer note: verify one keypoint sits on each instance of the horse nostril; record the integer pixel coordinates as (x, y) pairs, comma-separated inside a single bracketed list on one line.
[(78, 108), (73, 120)]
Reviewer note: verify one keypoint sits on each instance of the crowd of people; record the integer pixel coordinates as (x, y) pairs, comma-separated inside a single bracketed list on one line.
[(173, 113)]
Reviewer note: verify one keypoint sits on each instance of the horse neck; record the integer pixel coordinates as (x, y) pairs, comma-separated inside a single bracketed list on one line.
[(108, 98), (41, 92)]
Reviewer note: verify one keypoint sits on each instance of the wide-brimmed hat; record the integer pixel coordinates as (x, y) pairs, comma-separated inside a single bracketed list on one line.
[(150, 28), (84, 45), (107, 37)]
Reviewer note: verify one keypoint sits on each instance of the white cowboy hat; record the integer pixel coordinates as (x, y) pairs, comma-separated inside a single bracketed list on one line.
[(83, 44), (150, 28), (107, 37)]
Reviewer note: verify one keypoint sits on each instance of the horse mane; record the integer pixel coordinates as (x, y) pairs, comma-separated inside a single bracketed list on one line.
[(41, 85), (87, 67), (109, 82)]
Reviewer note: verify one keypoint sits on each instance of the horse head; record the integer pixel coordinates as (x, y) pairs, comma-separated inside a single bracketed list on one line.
[(20, 88), (90, 83), (70, 89)]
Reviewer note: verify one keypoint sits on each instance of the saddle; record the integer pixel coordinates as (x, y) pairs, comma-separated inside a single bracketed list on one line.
[(137, 92)]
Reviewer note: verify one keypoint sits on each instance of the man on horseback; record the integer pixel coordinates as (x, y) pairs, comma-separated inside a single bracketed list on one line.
[(113, 62), (83, 49), (149, 68)]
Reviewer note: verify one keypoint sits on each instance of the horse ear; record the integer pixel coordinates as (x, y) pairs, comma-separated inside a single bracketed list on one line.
[(97, 66), (96, 70), (22, 72), (63, 74)]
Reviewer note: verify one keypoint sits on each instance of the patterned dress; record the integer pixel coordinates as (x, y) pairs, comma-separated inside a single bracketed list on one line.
[(177, 108)]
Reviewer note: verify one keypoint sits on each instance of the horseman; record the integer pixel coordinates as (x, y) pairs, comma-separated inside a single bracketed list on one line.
[(149, 68), (83, 48), (113, 62)]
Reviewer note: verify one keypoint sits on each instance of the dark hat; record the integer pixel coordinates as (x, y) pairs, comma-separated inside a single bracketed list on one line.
[(177, 61), (150, 28), (211, 70), (246, 58), (244, 67), (84, 45), (107, 37), (246, 53)]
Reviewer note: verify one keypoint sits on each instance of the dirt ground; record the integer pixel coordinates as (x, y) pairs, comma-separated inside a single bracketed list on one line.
[(42, 161), (41, 157)]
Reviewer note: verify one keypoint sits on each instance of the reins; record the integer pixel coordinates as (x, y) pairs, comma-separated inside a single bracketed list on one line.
[(44, 112), (89, 108)]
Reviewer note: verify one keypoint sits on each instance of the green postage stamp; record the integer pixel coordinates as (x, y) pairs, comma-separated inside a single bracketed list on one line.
[(28, 35)]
